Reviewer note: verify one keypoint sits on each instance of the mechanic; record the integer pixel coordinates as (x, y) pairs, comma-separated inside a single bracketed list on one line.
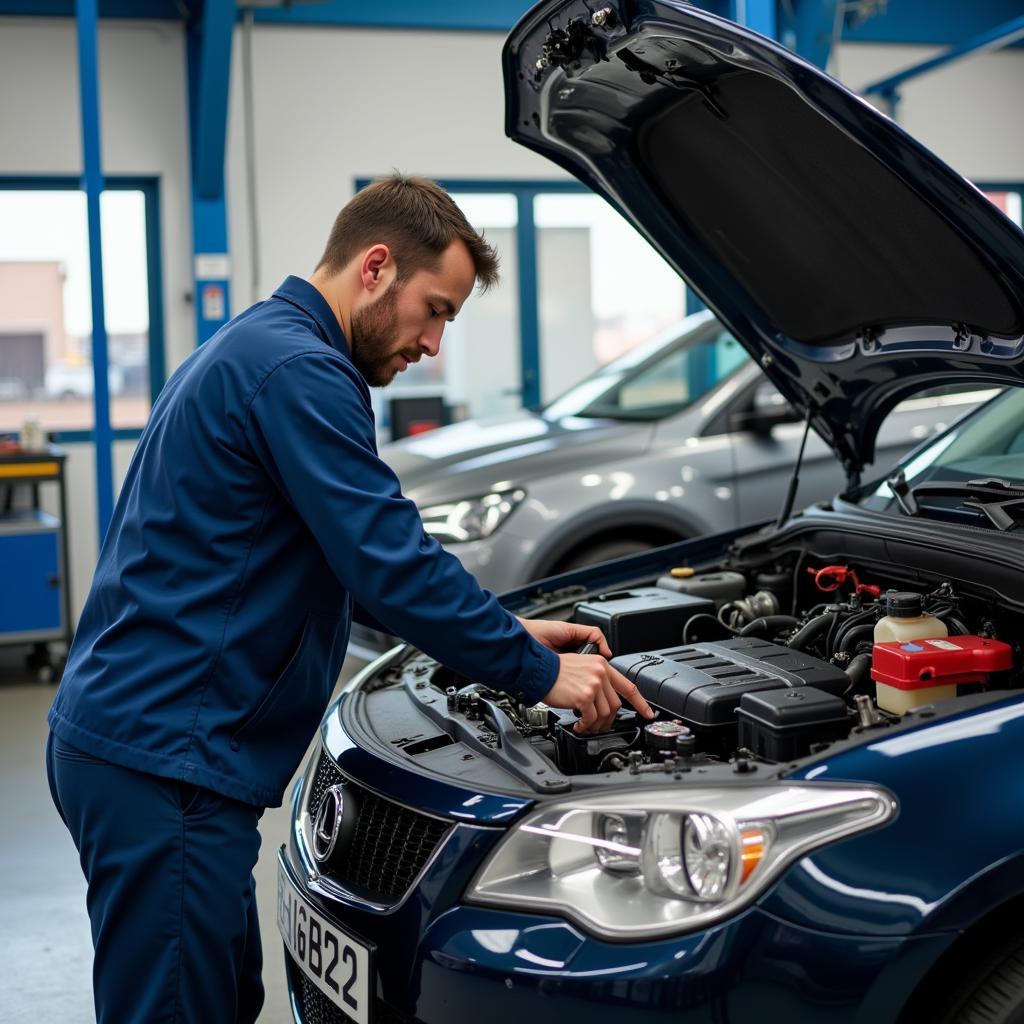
[(255, 521)]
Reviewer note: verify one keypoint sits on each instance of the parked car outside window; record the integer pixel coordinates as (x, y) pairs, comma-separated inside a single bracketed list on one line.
[(75, 380)]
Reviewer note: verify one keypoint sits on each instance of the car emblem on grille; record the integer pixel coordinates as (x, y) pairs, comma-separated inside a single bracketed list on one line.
[(327, 824)]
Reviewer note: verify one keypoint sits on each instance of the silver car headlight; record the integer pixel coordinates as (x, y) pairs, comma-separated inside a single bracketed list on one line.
[(471, 518), (688, 858)]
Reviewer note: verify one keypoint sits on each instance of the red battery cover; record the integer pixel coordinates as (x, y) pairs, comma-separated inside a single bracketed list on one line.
[(942, 661)]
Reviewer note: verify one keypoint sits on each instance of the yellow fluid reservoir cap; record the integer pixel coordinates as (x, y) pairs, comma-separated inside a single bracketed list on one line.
[(683, 572)]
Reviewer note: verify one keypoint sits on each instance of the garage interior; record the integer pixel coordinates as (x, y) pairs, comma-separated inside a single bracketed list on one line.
[(197, 151)]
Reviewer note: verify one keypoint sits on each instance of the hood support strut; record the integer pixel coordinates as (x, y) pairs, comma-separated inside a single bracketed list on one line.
[(794, 483)]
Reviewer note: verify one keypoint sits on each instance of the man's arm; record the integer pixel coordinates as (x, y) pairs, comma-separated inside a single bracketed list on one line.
[(311, 427)]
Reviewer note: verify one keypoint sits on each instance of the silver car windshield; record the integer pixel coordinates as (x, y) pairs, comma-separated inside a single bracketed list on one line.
[(986, 448), (657, 379)]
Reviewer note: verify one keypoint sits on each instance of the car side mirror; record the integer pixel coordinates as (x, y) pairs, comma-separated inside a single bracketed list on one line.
[(767, 410)]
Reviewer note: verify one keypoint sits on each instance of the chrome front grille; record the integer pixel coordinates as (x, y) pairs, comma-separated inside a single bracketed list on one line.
[(387, 847)]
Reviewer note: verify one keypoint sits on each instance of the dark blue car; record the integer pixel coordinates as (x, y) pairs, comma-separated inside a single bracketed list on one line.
[(826, 820)]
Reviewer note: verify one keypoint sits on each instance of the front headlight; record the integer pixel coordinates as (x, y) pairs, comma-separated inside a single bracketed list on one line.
[(470, 519), (689, 858)]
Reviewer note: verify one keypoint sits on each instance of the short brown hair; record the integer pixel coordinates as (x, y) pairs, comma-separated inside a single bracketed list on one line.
[(416, 219)]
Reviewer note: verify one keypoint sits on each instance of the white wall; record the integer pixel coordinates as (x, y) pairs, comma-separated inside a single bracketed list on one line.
[(333, 105), (967, 112)]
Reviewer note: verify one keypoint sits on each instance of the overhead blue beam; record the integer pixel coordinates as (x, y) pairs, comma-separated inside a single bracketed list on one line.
[(162, 9), (472, 15), (937, 23), (992, 39), (943, 23), (92, 183), (209, 76)]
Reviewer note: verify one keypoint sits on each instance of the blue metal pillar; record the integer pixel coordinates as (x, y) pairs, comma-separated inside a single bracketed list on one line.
[(758, 15), (209, 75), (529, 310), (92, 183)]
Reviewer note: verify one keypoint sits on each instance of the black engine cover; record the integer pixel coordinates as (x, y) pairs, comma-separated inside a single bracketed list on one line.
[(702, 684)]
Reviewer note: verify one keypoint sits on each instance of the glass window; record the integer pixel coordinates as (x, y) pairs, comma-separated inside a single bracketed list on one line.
[(477, 371), (46, 309), (602, 289), (679, 369), (1009, 203)]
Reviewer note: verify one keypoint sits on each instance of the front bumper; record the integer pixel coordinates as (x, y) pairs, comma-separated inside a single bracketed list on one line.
[(440, 960)]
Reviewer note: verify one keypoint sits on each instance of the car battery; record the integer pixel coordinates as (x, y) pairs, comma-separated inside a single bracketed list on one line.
[(641, 619), (702, 684), (912, 673), (781, 725), (583, 753)]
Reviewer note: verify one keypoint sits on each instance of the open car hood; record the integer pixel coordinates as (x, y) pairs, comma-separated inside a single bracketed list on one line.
[(848, 259)]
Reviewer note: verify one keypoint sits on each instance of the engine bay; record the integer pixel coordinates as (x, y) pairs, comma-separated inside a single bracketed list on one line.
[(744, 665)]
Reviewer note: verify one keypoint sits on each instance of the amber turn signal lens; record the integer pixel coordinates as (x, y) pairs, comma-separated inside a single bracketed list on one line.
[(752, 846)]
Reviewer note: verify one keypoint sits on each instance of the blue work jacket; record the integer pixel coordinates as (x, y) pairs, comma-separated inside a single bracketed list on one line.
[(255, 513)]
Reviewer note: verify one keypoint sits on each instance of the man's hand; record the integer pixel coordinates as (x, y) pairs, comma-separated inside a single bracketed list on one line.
[(589, 684), (565, 636), (586, 682)]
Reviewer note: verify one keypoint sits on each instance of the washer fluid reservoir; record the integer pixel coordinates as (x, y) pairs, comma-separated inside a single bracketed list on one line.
[(904, 620)]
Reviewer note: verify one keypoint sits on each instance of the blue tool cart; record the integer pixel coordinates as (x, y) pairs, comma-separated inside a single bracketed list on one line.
[(35, 601)]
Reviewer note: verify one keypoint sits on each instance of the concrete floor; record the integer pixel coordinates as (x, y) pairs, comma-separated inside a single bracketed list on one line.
[(45, 948)]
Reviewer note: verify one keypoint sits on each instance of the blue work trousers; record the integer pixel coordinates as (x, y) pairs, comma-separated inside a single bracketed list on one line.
[(171, 895)]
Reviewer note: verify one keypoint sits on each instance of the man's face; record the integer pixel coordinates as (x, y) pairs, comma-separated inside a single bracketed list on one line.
[(405, 321)]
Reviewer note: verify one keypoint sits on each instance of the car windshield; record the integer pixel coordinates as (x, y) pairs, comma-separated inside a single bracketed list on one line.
[(658, 378), (973, 473)]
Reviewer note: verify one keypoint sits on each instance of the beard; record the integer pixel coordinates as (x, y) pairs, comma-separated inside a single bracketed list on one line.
[(374, 329)]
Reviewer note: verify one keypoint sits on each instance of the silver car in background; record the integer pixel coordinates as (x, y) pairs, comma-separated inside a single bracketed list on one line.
[(680, 437)]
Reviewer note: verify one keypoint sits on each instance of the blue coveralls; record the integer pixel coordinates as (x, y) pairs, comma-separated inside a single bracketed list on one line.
[(255, 518)]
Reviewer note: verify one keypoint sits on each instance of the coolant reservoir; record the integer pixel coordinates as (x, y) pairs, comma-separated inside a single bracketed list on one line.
[(903, 622)]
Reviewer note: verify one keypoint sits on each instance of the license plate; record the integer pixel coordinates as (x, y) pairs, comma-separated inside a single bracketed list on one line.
[(338, 964)]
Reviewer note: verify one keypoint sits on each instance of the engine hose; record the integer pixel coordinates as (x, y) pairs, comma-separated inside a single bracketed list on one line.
[(613, 760), (806, 634), (700, 617), (956, 627), (857, 619), (858, 670), (853, 622), (850, 637), (766, 625), (833, 633)]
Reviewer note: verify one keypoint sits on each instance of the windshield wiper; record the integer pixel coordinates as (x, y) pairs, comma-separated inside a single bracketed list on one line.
[(1000, 501), (899, 486)]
